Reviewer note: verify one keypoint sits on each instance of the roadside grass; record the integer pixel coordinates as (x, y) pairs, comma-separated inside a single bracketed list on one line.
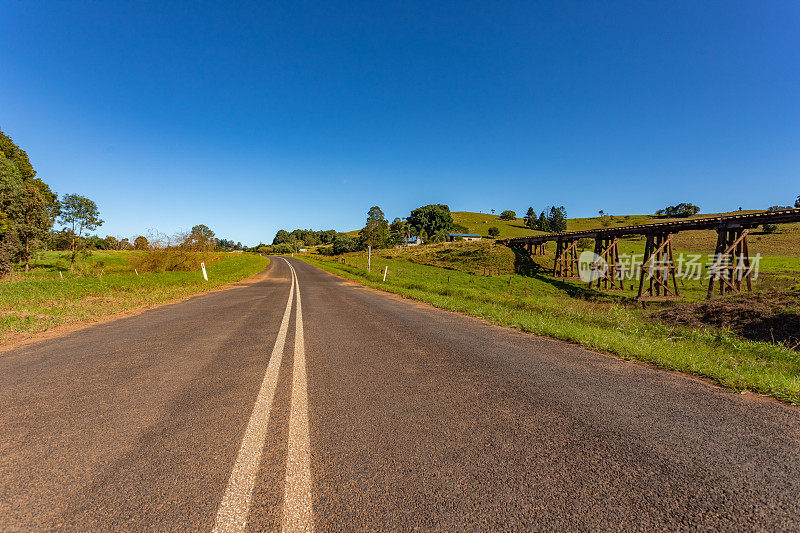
[(600, 321), (102, 284)]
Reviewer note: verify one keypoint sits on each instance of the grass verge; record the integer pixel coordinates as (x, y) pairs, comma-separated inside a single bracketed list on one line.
[(540, 306), (43, 299)]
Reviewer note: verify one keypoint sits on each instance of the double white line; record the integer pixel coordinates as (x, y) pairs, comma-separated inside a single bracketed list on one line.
[(298, 514)]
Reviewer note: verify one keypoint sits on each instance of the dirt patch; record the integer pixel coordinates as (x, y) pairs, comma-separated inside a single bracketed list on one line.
[(769, 316)]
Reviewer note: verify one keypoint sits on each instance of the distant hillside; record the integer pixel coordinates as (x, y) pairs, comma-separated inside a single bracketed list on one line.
[(784, 243), (481, 222)]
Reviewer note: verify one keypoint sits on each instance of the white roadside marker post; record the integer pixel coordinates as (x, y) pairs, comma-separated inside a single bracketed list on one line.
[(385, 270), (60, 275), (369, 258), (203, 266), (137, 272)]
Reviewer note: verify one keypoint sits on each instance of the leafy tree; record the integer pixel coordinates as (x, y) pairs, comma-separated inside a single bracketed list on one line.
[(399, 231), (79, 214), (199, 239), (281, 237), (431, 219), (140, 243), (508, 215), (376, 231), (27, 205), (494, 231), (530, 218), (343, 244), (797, 203)]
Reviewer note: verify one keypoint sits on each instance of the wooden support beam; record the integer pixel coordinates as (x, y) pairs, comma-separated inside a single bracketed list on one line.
[(731, 263), (658, 268), (566, 260), (607, 248)]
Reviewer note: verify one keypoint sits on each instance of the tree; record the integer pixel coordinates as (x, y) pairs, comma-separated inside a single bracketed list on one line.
[(543, 224), (376, 231), (399, 231), (281, 237), (140, 243), (508, 215), (530, 218), (431, 219), (494, 231), (200, 239), (79, 214), (27, 205), (557, 219), (797, 203)]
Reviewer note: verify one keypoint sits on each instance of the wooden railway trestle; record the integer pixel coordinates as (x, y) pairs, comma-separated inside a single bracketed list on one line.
[(611, 278), (658, 265), (536, 249), (565, 264), (730, 270), (731, 261)]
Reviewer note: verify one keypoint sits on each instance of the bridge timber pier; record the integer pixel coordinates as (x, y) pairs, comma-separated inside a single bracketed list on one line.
[(730, 271)]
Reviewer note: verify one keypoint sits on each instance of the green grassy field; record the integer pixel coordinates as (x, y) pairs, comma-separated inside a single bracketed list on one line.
[(103, 283), (566, 310)]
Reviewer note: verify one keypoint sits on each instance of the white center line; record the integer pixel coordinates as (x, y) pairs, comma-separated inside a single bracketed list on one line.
[(298, 513), (235, 505)]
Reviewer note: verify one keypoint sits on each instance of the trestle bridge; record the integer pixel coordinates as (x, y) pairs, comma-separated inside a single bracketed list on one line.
[(730, 271)]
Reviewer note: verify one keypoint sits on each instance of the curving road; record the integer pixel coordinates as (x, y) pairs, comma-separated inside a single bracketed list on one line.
[(304, 402)]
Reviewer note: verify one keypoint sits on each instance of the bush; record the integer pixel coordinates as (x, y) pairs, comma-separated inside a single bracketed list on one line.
[(508, 215), (343, 244), (770, 228), (494, 231), (682, 210)]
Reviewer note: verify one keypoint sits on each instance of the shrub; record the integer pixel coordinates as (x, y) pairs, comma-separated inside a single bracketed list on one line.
[(770, 228), (494, 231)]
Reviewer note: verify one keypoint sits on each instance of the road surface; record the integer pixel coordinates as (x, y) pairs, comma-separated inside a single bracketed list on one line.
[(348, 409)]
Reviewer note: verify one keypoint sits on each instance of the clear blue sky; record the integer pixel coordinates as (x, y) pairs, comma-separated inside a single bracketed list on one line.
[(255, 116)]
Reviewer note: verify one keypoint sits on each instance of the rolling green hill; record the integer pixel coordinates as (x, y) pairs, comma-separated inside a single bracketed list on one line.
[(786, 242)]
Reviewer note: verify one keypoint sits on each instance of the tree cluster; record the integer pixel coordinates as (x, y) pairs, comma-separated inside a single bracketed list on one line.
[(552, 219), (681, 210), (304, 237)]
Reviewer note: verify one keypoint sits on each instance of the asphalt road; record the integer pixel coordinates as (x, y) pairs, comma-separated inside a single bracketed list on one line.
[(363, 411)]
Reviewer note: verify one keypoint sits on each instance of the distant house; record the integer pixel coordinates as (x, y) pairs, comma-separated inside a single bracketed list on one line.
[(410, 241), (463, 236)]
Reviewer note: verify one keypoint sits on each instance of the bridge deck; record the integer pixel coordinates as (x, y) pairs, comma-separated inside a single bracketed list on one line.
[(730, 221)]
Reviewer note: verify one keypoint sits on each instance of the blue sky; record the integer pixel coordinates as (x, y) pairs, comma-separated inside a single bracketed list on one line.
[(255, 116)]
